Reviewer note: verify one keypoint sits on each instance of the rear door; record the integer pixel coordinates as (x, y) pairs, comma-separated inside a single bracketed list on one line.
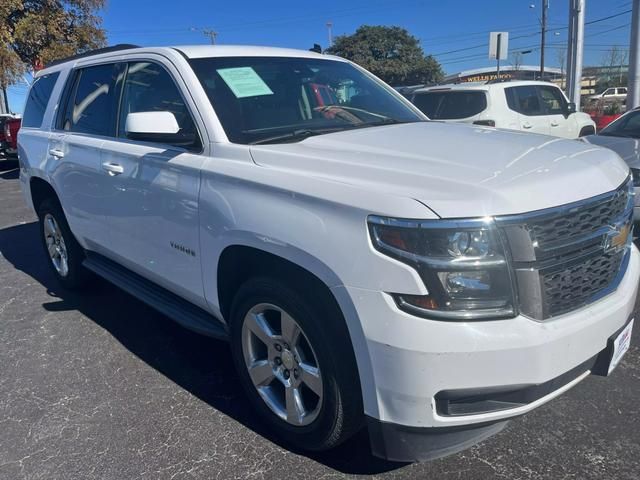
[(86, 119), (526, 102), (152, 212), (34, 135)]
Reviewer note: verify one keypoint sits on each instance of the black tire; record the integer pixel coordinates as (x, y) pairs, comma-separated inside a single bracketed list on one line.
[(340, 414), (77, 277)]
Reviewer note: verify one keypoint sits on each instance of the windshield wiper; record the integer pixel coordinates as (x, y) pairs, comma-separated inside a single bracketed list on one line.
[(327, 108), (294, 136), (301, 134)]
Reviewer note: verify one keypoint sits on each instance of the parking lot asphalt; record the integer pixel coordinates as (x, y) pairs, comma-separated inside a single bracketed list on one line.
[(100, 386)]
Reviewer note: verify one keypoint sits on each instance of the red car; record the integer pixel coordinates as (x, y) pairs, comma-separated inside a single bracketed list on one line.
[(11, 127)]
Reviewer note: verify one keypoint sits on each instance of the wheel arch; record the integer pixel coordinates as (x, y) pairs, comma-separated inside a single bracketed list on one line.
[(40, 190), (239, 262), (587, 130)]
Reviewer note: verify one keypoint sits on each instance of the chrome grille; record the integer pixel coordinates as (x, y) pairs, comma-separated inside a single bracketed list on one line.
[(581, 221), (567, 257), (573, 286)]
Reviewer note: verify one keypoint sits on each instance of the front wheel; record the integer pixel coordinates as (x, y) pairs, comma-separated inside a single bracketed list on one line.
[(298, 374)]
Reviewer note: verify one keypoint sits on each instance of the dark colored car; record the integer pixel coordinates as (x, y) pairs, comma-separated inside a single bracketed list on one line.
[(623, 137)]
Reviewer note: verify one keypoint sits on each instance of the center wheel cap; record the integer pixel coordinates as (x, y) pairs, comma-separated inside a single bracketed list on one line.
[(288, 360)]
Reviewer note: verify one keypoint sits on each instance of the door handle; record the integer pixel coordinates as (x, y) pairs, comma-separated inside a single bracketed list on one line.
[(113, 169), (56, 153), (554, 124), (527, 125)]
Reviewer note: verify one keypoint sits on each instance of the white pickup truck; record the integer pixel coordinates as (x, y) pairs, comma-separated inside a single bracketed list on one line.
[(369, 267)]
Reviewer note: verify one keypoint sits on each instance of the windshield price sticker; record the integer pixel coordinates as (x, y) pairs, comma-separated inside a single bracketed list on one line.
[(244, 82)]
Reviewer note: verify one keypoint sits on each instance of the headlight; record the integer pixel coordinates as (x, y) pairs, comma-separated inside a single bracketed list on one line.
[(463, 264)]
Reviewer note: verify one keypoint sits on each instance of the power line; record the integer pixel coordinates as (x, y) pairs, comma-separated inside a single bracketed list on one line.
[(484, 45)]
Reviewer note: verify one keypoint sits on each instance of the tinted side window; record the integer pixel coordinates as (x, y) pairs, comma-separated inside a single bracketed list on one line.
[(38, 99), (525, 100), (92, 102), (148, 87), (451, 105), (553, 100)]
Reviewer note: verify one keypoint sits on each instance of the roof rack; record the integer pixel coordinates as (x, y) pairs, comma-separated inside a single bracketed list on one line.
[(97, 51)]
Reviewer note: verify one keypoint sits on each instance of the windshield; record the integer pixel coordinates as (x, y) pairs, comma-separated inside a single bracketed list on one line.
[(274, 99), (451, 105), (626, 126)]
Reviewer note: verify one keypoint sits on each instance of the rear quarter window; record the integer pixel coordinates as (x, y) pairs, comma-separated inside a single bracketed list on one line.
[(38, 100), (451, 105)]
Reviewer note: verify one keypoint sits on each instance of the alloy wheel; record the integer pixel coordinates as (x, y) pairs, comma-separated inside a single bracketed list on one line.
[(282, 364)]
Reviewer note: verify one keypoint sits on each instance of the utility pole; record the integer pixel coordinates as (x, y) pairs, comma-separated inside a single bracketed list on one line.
[(545, 7), (633, 91), (4, 104), (212, 34), (575, 50), (330, 33)]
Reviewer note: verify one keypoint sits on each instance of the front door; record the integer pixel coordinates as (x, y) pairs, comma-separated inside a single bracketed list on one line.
[(153, 206), (530, 110), (560, 123)]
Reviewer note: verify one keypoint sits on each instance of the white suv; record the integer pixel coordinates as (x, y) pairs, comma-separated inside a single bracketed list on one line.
[(537, 107), (613, 93), (369, 267)]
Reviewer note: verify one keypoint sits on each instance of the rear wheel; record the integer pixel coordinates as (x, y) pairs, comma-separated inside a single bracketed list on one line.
[(61, 248), (297, 371)]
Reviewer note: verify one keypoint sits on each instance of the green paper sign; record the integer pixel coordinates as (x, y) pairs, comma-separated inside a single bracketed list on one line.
[(244, 82)]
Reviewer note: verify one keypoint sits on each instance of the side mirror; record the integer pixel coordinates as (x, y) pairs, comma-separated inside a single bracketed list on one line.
[(571, 108), (161, 127)]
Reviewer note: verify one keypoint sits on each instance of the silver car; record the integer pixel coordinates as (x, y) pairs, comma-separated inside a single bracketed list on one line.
[(623, 137)]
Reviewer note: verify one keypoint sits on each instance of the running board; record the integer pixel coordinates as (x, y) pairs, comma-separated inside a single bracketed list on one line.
[(178, 309)]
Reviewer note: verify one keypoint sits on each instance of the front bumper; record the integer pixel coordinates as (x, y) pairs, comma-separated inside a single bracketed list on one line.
[(413, 359)]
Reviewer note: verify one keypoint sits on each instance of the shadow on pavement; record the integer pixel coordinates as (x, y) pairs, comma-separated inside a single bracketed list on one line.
[(198, 364), (9, 169)]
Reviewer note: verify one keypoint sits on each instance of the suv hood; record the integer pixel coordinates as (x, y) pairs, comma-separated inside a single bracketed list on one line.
[(456, 170)]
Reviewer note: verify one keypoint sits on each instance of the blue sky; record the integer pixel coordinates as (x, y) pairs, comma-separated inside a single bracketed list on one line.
[(456, 32)]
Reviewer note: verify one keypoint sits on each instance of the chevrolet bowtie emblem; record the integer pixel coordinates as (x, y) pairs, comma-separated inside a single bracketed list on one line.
[(617, 237)]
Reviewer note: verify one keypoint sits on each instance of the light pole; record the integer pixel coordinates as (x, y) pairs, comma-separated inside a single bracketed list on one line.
[(330, 33), (633, 97), (575, 50)]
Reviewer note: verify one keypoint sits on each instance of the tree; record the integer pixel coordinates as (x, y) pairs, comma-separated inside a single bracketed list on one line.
[(391, 53), (45, 30), (613, 61)]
